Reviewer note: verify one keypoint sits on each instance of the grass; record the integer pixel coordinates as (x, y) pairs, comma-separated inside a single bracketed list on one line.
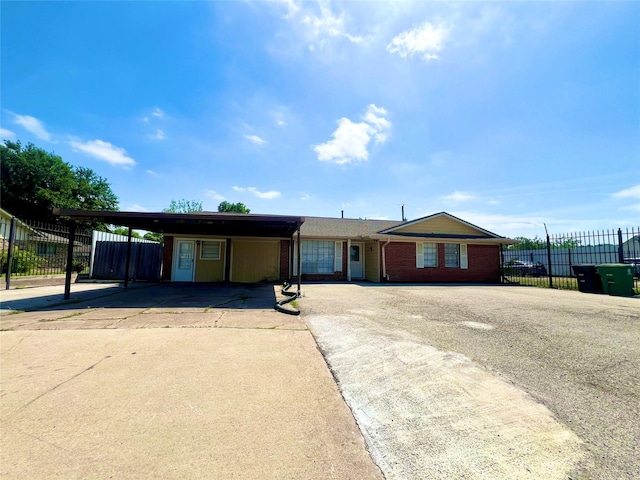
[(561, 283)]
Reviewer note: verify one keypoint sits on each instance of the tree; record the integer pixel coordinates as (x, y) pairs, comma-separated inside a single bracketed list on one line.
[(525, 243), (154, 237), (233, 207), (125, 231), (33, 182), (184, 206)]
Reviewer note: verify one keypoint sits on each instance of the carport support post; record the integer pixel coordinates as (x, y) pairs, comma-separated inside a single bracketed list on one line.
[(128, 261), (67, 280), (299, 261)]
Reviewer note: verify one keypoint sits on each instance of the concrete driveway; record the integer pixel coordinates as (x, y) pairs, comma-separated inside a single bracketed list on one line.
[(486, 382), (171, 381)]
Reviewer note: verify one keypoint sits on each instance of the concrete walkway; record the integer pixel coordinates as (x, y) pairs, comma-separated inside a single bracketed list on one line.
[(172, 382)]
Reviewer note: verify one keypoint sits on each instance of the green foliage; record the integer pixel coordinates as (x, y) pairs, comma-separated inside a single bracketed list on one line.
[(33, 182), (566, 243), (24, 261), (184, 206), (233, 207), (125, 231), (154, 237), (536, 243), (525, 243)]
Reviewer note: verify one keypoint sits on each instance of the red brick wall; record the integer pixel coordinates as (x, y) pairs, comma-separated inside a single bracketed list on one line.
[(167, 258), (285, 246), (484, 265)]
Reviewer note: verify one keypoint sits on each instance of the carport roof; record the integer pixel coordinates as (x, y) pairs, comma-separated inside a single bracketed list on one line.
[(197, 223)]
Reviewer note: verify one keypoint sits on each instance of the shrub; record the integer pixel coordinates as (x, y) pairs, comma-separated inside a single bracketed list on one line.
[(24, 261)]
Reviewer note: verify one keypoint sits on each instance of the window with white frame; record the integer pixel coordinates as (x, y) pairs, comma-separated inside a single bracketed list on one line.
[(452, 255), (318, 256), (210, 250), (430, 254)]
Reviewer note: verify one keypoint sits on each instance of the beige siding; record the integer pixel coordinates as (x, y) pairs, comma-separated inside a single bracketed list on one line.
[(255, 260), (210, 270), (371, 261), (441, 225)]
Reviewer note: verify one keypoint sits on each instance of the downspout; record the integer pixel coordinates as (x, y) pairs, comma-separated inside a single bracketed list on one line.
[(384, 260)]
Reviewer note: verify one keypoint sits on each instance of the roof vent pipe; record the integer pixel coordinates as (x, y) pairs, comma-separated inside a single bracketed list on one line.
[(403, 219), (342, 213)]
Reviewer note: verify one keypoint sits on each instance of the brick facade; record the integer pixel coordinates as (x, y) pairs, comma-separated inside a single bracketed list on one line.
[(484, 265)]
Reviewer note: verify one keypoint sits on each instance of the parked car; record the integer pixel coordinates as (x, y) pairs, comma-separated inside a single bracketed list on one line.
[(519, 267)]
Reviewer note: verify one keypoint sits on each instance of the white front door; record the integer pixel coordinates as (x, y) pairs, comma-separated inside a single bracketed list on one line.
[(184, 261), (355, 258)]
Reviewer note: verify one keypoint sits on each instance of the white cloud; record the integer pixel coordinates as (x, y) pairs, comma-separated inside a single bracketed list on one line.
[(304, 196), (459, 196), (270, 195), (6, 134), (32, 125), (255, 139), (157, 113), (151, 172), (319, 28), (134, 207), (631, 192), (493, 202), (213, 194), (351, 139), (426, 39), (159, 134), (104, 151)]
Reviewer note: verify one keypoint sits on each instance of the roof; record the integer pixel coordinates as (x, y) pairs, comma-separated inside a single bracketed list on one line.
[(255, 225), (343, 227), (349, 228), (442, 214), (200, 223)]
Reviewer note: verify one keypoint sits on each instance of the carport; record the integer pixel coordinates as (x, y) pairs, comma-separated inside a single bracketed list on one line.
[(225, 225)]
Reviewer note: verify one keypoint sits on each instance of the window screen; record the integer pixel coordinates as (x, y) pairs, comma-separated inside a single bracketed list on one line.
[(430, 254), (318, 256), (452, 255), (210, 250)]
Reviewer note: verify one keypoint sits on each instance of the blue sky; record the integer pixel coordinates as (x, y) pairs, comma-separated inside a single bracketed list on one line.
[(507, 115)]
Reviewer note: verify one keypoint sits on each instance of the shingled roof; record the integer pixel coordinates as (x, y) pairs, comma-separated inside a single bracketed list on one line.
[(322, 227)]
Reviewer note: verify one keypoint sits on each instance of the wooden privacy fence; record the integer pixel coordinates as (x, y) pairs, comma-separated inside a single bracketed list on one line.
[(109, 260)]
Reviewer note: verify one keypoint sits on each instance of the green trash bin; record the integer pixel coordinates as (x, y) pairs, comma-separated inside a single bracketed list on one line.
[(617, 279)]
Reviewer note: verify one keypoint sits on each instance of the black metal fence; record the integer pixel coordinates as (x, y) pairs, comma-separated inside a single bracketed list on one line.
[(548, 262), (35, 248)]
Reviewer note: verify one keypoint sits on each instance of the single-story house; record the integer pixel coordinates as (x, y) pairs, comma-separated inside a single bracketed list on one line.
[(437, 248), (217, 247)]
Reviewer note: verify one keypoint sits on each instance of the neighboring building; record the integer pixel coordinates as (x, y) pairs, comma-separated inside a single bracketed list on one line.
[(436, 248)]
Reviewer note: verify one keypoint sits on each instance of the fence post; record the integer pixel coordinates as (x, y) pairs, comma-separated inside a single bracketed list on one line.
[(549, 261), (127, 261), (67, 280), (12, 237), (620, 247)]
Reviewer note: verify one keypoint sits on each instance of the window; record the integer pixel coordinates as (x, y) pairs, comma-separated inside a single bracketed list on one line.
[(430, 252), (210, 250), (318, 256), (46, 248), (452, 255)]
